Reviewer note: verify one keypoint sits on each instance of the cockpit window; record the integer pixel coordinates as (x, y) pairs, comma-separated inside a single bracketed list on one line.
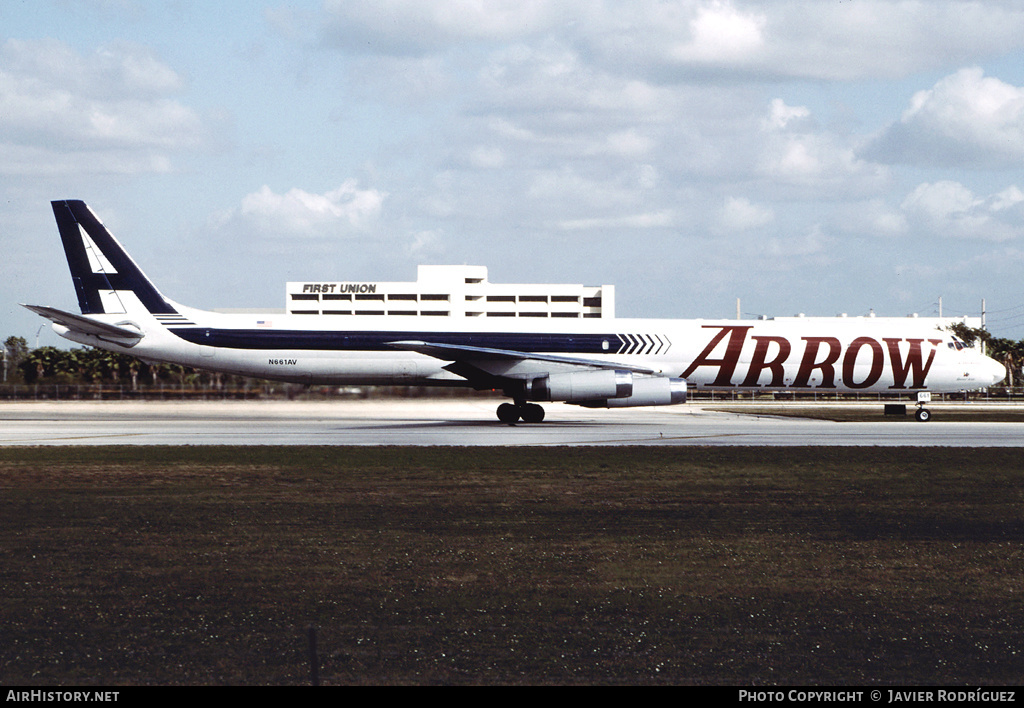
[(956, 344)]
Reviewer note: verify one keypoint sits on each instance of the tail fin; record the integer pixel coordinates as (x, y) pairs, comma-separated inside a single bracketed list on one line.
[(100, 268)]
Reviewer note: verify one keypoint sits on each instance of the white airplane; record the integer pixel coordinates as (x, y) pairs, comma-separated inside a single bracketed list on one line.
[(595, 363)]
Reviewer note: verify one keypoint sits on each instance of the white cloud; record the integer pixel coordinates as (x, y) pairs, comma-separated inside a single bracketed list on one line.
[(817, 160), (121, 70), (487, 157), (414, 26), (91, 112), (781, 115), (576, 200), (780, 38), (648, 220), (32, 161), (426, 245), (872, 218), (553, 75), (1009, 198), (939, 201), (792, 252), (794, 38), (721, 33), (545, 104), (668, 41), (301, 214), (948, 209), (885, 39), (740, 214), (965, 120), (627, 143)]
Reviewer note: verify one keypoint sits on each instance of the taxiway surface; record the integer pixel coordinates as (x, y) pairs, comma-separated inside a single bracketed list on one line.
[(457, 422)]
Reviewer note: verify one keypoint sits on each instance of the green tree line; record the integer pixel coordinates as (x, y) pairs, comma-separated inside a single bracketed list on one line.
[(50, 365)]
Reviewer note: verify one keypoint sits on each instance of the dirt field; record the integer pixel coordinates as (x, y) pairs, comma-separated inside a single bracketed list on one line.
[(498, 566)]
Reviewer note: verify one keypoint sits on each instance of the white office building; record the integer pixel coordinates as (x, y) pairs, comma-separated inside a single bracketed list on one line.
[(450, 291)]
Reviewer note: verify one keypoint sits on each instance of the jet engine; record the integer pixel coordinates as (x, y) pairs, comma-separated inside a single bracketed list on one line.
[(579, 386), (647, 391)]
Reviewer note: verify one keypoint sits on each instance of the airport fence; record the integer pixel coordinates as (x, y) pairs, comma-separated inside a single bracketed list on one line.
[(190, 392), (996, 394), (267, 391)]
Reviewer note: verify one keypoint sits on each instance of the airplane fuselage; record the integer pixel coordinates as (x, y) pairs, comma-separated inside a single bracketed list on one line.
[(794, 354)]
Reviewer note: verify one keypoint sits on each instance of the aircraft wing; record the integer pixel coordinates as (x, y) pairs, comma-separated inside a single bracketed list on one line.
[(83, 324), (481, 363)]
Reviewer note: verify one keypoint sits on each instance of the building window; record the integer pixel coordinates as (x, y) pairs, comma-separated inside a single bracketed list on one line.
[(298, 296), (434, 297)]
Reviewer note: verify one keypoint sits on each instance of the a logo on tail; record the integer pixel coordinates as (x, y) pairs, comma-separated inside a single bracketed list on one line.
[(100, 267)]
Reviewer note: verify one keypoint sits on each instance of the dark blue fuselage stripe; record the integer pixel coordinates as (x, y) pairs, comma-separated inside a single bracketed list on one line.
[(261, 339)]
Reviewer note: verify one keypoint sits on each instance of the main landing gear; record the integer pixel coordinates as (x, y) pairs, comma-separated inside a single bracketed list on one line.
[(511, 413)]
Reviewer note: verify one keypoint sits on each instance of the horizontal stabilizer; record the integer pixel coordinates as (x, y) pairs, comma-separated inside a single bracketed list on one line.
[(121, 333)]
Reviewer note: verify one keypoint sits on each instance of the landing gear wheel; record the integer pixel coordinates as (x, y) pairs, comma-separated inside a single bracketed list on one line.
[(923, 415), (508, 413), (532, 413)]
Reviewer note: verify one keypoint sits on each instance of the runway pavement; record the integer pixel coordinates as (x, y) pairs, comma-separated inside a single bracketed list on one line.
[(457, 422)]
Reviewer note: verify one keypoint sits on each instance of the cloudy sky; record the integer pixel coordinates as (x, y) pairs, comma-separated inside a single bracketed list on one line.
[(824, 157)]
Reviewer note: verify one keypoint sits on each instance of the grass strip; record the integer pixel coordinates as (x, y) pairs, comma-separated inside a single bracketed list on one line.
[(206, 565)]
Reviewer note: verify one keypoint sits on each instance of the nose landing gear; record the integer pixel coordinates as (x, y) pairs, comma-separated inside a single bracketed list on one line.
[(922, 414)]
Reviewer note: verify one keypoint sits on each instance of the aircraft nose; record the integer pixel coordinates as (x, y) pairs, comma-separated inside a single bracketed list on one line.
[(995, 371)]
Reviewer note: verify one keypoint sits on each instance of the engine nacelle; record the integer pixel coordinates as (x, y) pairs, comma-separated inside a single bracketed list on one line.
[(647, 391), (578, 386)]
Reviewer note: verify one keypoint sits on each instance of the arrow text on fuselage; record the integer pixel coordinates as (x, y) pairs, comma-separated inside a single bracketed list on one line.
[(821, 355)]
